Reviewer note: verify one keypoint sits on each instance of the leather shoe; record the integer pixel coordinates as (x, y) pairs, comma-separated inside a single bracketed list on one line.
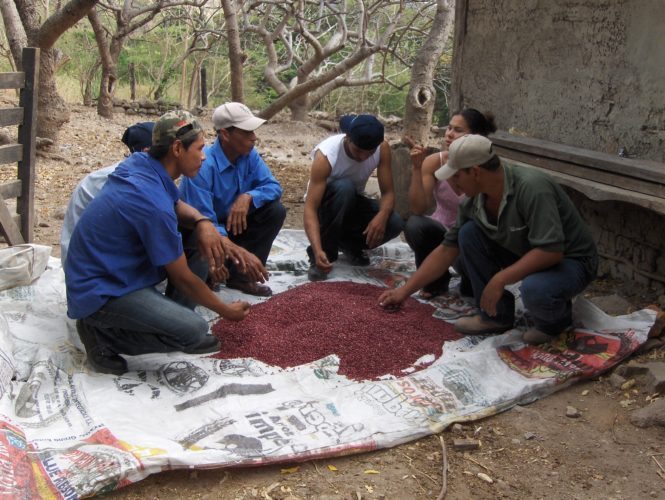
[(315, 274), (476, 325), (208, 345), (535, 336), (100, 360), (357, 259), (250, 288)]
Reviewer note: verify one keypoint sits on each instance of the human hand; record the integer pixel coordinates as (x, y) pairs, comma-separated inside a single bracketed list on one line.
[(236, 222), (211, 247), (392, 299), (491, 295), (236, 311), (322, 262), (375, 231), (247, 263)]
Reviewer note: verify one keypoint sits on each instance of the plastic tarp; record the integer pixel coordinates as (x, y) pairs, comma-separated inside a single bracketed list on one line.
[(67, 432)]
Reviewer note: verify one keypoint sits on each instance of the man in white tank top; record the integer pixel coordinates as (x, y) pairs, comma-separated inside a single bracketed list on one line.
[(337, 215)]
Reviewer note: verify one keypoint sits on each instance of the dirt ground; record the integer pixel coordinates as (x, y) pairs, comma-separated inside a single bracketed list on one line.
[(534, 451)]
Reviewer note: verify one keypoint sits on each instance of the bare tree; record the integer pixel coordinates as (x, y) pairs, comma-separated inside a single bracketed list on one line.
[(24, 27), (422, 94), (130, 19), (322, 42), (236, 56), (203, 36)]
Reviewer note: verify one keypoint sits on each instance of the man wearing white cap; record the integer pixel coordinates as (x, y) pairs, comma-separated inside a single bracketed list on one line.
[(237, 191), (517, 224)]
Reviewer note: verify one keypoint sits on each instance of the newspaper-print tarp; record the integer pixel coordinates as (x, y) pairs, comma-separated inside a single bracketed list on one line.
[(67, 432)]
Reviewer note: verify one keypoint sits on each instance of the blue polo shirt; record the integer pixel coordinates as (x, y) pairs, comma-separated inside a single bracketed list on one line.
[(219, 183), (124, 238)]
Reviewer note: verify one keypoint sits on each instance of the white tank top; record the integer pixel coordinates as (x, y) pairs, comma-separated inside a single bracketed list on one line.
[(344, 167)]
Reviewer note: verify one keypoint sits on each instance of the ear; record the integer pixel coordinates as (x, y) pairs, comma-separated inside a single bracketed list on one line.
[(177, 148)]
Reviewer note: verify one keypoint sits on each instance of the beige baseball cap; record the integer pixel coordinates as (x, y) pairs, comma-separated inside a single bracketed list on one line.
[(235, 114), (468, 151)]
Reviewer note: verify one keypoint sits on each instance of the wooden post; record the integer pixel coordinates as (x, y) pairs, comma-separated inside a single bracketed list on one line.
[(204, 86), (132, 82), (27, 134)]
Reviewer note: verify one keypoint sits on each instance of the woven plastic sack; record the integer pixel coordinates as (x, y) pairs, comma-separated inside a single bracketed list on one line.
[(22, 264)]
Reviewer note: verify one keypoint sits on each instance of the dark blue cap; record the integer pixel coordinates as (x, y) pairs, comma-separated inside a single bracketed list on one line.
[(139, 136), (365, 131)]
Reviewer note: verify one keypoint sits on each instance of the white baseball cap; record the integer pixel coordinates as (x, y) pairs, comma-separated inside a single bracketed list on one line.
[(235, 114), (468, 151)]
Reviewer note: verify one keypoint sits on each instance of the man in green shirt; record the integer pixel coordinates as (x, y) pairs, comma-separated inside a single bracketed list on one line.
[(517, 224)]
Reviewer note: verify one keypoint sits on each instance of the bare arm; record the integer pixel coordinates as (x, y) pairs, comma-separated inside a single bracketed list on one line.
[(376, 228), (321, 170), (421, 189), (207, 237), (192, 286), (433, 267), (533, 261)]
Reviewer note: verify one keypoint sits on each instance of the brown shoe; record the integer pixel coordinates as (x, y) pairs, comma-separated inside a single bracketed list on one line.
[(250, 288), (476, 325)]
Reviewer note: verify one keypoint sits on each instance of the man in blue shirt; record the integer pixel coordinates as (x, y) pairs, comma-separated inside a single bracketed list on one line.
[(127, 241), (237, 191)]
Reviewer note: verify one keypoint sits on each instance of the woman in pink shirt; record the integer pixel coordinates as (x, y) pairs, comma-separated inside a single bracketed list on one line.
[(423, 232)]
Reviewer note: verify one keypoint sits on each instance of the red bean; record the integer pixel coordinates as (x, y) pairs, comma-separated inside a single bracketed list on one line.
[(315, 320)]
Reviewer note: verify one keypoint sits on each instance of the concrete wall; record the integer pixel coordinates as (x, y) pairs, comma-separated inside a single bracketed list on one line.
[(586, 73)]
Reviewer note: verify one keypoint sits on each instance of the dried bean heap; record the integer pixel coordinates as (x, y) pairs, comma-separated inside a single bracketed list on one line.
[(315, 320)]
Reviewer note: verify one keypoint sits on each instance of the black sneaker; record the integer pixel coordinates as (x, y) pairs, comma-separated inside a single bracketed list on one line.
[(315, 274), (100, 360), (207, 346), (358, 259)]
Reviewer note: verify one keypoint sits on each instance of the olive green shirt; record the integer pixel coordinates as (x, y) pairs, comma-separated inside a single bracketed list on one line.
[(534, 212)]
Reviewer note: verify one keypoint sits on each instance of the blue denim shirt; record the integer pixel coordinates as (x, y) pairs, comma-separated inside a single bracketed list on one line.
[(124, 238), (219, 183)]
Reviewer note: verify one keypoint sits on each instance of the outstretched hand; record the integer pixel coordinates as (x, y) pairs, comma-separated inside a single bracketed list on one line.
[(392, 299)]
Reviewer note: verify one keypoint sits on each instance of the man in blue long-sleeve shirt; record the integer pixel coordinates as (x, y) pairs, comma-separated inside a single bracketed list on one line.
[(237, 191)]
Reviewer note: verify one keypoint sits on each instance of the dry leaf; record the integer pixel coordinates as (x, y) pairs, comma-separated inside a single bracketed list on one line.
[(369, 488), (332, 468), (291, 470), (372, 471)]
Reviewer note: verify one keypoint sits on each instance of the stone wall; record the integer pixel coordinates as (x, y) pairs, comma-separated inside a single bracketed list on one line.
[(629, 238), (586, 73)]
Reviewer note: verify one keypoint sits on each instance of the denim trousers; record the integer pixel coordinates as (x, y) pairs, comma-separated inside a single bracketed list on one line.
[(343, 216), (145, 321), (547, 295), (424, 234), (263, 225)]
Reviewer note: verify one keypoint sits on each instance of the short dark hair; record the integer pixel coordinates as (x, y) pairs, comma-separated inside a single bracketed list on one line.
[(478, 123), (492, 164), (159, 151)]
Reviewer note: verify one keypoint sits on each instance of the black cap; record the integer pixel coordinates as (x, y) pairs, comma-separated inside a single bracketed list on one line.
[(138, 137)]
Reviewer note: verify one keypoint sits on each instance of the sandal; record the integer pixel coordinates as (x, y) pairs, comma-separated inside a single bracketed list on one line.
[(250, 288)]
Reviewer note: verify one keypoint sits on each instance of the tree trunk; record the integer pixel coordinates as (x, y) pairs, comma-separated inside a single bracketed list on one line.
[(204, 87), (106, 90), (14, 31), (299, 108), (236, 57), (421, 97), (53, 111)]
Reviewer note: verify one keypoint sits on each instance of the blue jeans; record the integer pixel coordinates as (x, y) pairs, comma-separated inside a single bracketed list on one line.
[(344, 215), (547, 294), (146, 321)]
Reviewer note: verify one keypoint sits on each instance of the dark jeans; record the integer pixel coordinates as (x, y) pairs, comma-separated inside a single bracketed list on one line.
[(424, 234), (344, 215), (145, 321), (263, 225), (547, 294)]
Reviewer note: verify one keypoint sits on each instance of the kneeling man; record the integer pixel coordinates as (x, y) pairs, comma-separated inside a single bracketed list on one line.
[(127, 241), (517, 224)]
